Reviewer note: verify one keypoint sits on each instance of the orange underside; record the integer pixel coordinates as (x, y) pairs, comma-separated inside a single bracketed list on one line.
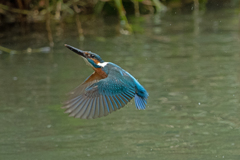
[(100, 73), (97, 75)]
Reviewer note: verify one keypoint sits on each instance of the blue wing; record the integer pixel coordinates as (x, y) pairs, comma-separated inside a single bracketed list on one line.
[(99, 97)]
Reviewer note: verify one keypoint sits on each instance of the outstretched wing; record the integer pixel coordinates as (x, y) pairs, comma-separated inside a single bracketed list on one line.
[(93, 78), (99, 97)]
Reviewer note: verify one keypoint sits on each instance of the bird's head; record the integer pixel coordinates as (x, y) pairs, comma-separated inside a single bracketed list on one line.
[(91, 59)]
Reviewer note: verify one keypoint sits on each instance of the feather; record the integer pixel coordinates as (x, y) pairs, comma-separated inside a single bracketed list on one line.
[(139, 102), (115, 104), (101, 107), (106, 104), (91, 108), (109, 101), (117, 100), (78, 108)]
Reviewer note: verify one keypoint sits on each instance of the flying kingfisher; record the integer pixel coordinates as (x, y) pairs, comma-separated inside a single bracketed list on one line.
[(109, 88)]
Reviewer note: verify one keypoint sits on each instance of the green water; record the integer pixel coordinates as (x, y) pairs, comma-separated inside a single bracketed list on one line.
[(192, 76)]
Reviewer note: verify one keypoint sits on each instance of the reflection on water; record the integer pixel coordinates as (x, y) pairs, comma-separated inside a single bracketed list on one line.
[(193, 83)]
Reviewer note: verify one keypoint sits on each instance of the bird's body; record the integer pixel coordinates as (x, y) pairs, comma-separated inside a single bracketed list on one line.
[(109, 88)]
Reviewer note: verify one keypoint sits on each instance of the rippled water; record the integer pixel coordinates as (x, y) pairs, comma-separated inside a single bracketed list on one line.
[(192, 75)]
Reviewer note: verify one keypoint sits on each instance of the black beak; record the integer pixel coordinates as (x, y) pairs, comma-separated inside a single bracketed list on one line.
[(78, 51)]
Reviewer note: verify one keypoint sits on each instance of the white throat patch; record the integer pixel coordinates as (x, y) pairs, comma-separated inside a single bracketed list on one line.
[(102, 64)]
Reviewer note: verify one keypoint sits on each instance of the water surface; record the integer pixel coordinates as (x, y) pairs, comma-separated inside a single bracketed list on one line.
[(191, 71)]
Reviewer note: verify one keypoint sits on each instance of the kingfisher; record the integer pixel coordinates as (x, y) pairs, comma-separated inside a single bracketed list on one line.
[(107, 89)]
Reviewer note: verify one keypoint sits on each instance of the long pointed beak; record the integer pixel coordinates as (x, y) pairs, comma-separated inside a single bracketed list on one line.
[(78, 51)]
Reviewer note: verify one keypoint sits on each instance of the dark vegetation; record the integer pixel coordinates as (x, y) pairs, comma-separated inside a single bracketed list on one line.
[(32, 11), (25, 12)]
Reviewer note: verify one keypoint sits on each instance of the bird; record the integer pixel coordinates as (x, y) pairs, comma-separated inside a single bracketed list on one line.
[(107, 89)]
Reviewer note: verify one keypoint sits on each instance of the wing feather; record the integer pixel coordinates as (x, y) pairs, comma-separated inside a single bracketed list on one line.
[(121, 100), (93, 108), (102, 109), (113, 102), (120, 105), (98, 96), (84, 113), (106, 103), (90, 108), (79, 107), (73, 106), (82, 109), (124, 98), (96, 113)]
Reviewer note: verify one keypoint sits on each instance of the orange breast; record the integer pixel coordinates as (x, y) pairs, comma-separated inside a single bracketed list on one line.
[(100, 72)]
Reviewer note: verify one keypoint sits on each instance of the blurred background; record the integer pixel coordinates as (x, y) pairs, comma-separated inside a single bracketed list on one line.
[(185, 53)]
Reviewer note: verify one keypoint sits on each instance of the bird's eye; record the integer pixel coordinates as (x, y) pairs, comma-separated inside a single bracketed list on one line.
[(92, 56)]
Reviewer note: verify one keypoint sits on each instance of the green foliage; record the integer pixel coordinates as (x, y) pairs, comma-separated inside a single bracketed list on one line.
[(58, 9)]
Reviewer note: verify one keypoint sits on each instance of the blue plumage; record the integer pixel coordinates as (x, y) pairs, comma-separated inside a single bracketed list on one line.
[(109, 88)]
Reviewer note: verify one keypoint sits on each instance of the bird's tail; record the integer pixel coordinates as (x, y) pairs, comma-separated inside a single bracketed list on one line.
[(140, 102)]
